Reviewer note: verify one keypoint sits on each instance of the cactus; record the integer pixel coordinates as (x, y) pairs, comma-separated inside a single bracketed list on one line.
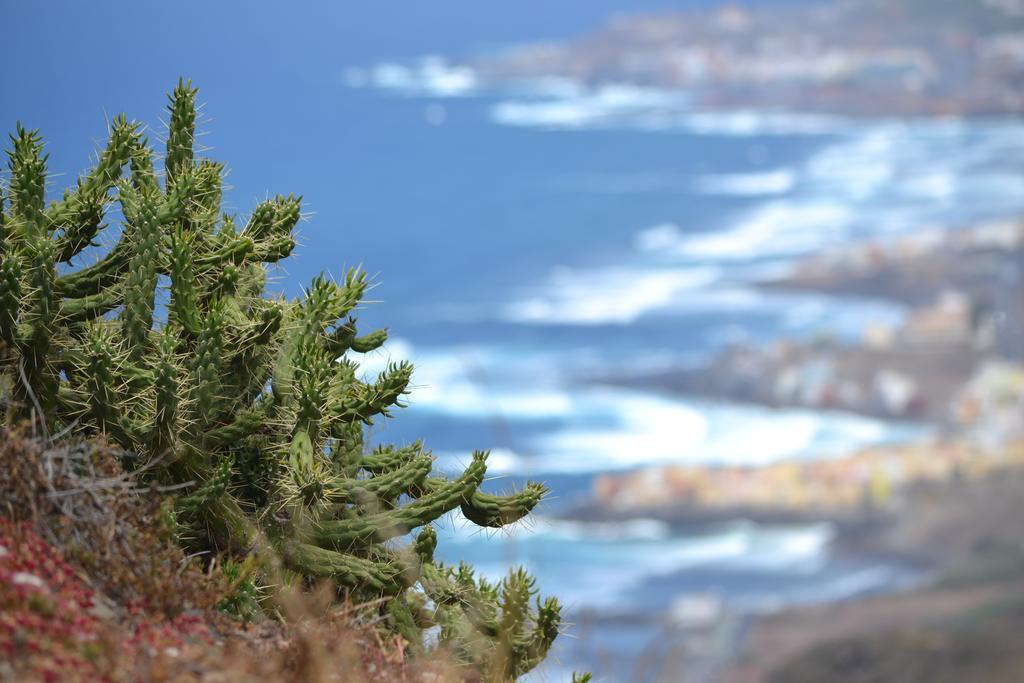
[(169, 347)]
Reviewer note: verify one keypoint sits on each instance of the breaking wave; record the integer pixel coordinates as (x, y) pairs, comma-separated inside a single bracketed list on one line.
[(619, 429)]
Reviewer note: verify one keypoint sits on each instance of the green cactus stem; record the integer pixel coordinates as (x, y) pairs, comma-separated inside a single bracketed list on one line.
[(251, 405)]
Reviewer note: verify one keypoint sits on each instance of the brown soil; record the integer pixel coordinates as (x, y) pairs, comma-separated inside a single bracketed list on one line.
[(962, 628), (793, 640)]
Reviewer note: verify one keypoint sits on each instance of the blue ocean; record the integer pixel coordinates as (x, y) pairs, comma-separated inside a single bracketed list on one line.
[(562, 233), (527, 241), (575, 232)]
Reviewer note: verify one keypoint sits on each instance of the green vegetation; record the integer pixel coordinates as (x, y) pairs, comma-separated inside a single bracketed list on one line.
[(169, 347)]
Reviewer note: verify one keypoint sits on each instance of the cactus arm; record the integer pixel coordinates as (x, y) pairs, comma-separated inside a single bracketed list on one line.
[(235, 251), (274, 218), (166, 425), (369, 342), (275, 249), (181, 130), (487, 510), (382, 491), (140, 283), (117, 153), (326, 303), (85, 308), (344, 339), (516, 590), (184, 307), (207, 364), (94, 278), (207, 493), (425, 545), (310, 384), (322, 306), (80, 213), (141, 163), (40, 313), (79, 222), (345, 449), (493, 627), (387, 459), (176, 200), (545, 631), (495, 511), (381, 527), (208, 192), (362, 402), (101, 387), (347, 570), (10, 297), (247, 423), (27, 166), (388, 487)]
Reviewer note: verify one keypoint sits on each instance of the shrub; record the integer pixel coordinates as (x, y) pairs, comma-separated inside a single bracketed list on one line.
[(249, 403)]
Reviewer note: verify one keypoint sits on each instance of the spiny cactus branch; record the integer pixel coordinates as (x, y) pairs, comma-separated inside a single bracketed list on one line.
[(250, 405)]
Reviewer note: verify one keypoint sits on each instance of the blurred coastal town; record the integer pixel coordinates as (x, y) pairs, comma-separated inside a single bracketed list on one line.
[(948, 502), (954, 362), (855, 57)]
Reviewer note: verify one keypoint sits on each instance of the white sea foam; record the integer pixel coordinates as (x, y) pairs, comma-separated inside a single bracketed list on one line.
[(548, 528), (759, 184), (930, 165), (641, 108), (582, 561), (843, 586), (606, 106), (751, 547), (618, 429), (877, 179), (560, 103), (660, 238), (650, 432), (430, 76), (760, 123), (777, 228), (747, 184), (450, 381), (472, 400), (623, 295), (781, 227), (617, 295), (857, 167)]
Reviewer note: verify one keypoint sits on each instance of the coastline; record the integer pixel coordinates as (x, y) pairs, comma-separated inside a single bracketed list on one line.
[(942, 365), (951, 551), (965, 301), (897, 505), (861, 59)]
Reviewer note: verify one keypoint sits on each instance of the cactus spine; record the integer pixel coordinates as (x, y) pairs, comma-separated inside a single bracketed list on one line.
[(251, 399)]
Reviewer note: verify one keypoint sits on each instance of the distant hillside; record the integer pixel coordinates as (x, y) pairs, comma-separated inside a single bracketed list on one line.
[(983, 648), (854, 57), (980, 15)]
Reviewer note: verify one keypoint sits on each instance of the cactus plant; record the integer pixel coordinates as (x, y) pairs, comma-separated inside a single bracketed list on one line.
[(169, 346)]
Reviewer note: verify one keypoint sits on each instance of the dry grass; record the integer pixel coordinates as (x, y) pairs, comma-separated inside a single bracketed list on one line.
[(94, 588)]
